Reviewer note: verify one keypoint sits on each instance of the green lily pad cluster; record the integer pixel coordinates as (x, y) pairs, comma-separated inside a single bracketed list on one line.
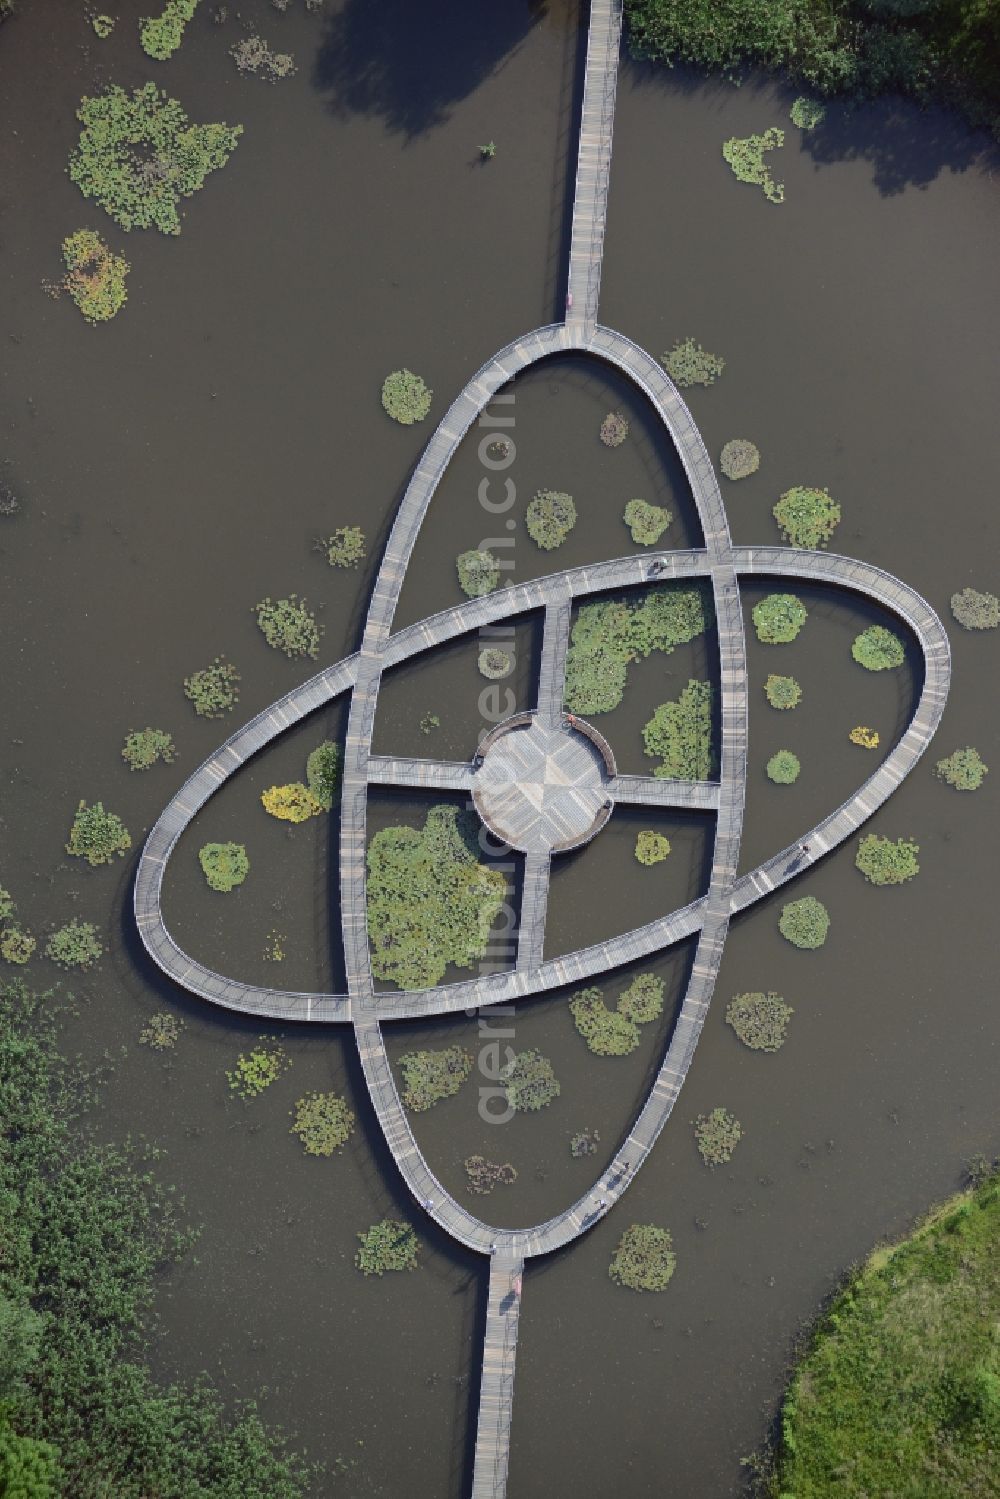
[(344, 548), (430, 901), (687, 363), (746, 157), (717, 1135), (646, 522), (680, 733), (779, 618), (975, 610), (323, 1122), (287, 625), (878, 649), (95, 278), (478, 573), (387, 1245), (224, 865), (782, 692), (804, 923), (783, 768), (75, 945), (97, 836), (615, 1033), (143, 747), (739, 458), (405, 397), (162, 35), (644, 1259), (530, 1083), (430, 1076), (138, 156), (214, 690), (884, 861), (257, 1069), (807, 517), (551, 517), (607, 636), (965, 769), (759, 1020), (651, 848)]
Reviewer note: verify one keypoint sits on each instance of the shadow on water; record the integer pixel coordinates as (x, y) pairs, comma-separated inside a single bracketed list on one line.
[(391, 61), (905, 145)]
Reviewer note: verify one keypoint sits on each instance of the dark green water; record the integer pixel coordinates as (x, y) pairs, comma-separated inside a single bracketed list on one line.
[(175, 467)]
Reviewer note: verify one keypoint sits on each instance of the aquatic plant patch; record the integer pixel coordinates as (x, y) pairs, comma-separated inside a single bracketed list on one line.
[(651, 848), (530, 1082), (344, 548), (687, 363), (965, 769), (607, 1033), (551, 516), (584, 1143), (144, 747), (162, 1031), (644, 1259), (746, 158), (739, 458), (807, 517), (288, 626), (430, 1076), (75, 945), (138, 156), (478, 573), (642, 1001), (95, 278), (257, 1069), (494, 664), (864, 737), (717, 1135), (807, 113), (804, 923), (323, 770), (607, 636), (878, 649), (779, 618), (614, 429), (17, 945), (388, 1245), (430, 901), (224, 865), (646, 522), (291, 803), (97, 836), (214, 690), (405, 397), (782, 692), (975, 610), (883, 861), (254, 58), (680, 733), (323, 1122), (759, 1020), (483, 1175), (783, 768), (162, 35)]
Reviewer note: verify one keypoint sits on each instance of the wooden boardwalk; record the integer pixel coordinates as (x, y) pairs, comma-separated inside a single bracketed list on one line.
[(361, 675), (593, 165)]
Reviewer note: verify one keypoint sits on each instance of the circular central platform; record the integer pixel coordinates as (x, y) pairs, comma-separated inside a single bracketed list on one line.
[(541, 786)]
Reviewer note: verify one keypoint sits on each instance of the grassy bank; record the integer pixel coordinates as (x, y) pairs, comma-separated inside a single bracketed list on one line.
[(899, 1391)]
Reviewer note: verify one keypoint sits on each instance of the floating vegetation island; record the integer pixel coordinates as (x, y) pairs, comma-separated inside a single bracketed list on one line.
[(782, 692), (975, 610), (430, 1076), (478, 573), (681, 734), (214, 690), (138, 156), (884, 862), (878, 649), (97, 836), (783, 768), (288, 626), (739, 458), (551, 517), (965, 769), (651, 848), (405, 397), (646, 522), (804, 923), (759, 1020), (224, 865), (807, 517), (387, 1245), (779, 618), (95, 278), (687, 363), (143, 747), (746, 157), (717, 1135), (644, 1259)]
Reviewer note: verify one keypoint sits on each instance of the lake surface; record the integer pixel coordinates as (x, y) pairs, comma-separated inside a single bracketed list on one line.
[(176, 466)]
